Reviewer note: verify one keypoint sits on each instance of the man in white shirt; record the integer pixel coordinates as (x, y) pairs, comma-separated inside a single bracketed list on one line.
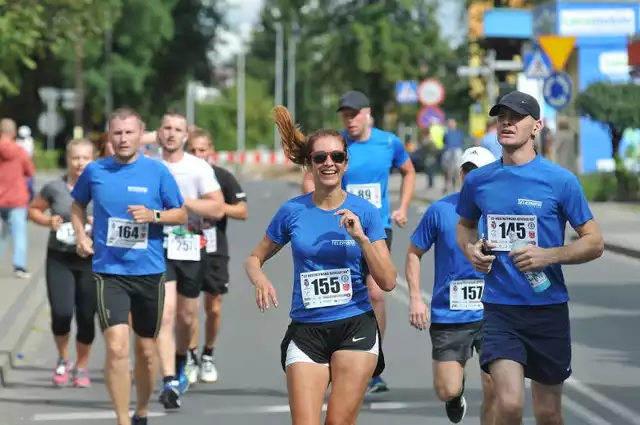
[(185, 254)]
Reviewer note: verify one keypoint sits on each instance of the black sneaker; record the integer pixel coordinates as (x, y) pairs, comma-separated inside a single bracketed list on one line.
[(137, 420), (457, 408)]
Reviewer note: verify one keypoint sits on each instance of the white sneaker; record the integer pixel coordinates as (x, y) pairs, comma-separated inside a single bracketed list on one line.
[(208, 371), (191, 370)]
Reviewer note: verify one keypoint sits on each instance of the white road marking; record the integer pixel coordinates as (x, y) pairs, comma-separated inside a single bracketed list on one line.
[(578, 409), (84, 416), (617, 408), (284, 408)]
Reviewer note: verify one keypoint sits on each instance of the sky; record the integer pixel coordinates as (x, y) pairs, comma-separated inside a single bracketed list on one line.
[(243, 14)]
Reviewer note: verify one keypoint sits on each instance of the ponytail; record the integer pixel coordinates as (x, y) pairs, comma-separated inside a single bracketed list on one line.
[(294, 143)]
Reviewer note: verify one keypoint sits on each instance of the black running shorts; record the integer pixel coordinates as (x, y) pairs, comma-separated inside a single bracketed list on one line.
[(188, 275), (316, 342), (216, 275), (455, 342), (142, 296)]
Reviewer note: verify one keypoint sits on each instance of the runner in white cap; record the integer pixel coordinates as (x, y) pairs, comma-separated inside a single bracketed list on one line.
[(456, 307)]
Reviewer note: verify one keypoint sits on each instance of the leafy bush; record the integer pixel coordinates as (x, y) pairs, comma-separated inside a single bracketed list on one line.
[(603, 187), (45, 159)]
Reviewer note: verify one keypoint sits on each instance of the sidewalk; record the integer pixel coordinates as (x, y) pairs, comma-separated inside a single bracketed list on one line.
[(22, 300), (618, 221)]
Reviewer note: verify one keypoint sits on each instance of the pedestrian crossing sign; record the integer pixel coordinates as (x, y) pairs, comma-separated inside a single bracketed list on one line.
[(407, 92), (537, 65)]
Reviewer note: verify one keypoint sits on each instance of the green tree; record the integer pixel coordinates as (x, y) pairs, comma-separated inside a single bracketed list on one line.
[(31, 27), (219, 116), (355, 44), (158, 46), (21, 26), (615, 106)]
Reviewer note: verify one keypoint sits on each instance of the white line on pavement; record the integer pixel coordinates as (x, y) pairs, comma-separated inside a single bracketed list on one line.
[(617, 408), (84, 416), (284, 408)]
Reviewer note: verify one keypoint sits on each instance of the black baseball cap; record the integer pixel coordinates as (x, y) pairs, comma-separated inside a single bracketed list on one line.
[(518, 102), (353, 100)]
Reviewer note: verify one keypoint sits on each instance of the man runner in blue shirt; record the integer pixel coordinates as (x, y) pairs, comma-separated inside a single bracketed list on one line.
[(526, 201), (456, 309), (372, 155), (133, 196)]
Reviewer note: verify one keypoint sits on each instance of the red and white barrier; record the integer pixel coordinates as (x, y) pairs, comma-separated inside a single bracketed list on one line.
[(250, 158)]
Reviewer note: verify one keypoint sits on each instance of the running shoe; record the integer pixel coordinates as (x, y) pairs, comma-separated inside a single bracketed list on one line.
[(81, 378), (208, 371), (61, 372), (170, 395), (457, 407), (377, 385)]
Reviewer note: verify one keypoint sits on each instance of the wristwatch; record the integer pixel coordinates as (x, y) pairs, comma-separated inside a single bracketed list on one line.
[(156, 216)]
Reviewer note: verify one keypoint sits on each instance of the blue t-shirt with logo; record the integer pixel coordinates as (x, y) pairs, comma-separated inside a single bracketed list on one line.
[(370, 164), (328, 283), (453, 272), (121, 246), (533, 201)]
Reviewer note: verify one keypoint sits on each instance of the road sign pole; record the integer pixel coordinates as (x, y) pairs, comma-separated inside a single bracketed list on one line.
[(489, 71), (491, 78), (51, 110)]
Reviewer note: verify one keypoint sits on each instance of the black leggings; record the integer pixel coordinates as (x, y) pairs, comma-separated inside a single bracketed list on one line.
[(70, 288)]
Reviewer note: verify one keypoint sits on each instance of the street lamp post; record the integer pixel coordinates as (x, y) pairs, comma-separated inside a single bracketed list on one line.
[(291, 68), (279, 69)]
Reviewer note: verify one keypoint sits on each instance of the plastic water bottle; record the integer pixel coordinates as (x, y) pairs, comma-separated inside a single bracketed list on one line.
[(538, 280)]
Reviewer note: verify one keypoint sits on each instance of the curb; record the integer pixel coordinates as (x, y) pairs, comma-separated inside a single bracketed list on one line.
[(24, 312)]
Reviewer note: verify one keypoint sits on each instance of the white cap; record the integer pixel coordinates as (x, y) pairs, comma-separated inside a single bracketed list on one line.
[(24, 132), (478, 156)]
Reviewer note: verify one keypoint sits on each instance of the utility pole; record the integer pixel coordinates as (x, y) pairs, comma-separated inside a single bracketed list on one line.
[(240, 85), (278, 71), (108, 96), (78, 131), (191, 102), (291, 68)]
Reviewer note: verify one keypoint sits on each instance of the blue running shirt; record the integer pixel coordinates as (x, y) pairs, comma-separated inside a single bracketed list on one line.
[(370, 164), (535, 201), (121, 246), (328, 283), (457, 287)]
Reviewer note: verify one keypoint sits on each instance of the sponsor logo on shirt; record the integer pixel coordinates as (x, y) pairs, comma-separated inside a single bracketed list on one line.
[(529, 203)]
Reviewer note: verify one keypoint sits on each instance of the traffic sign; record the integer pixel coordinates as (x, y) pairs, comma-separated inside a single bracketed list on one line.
[(50, 124), (407, 91), (431, 92), (558, 90), (49, 94), (557, 48), (476, 71), (470, 71), (69, 99), (430, 115), (537, 65)]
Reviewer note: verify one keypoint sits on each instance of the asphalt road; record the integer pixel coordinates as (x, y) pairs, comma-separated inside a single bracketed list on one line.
[(604, 389)]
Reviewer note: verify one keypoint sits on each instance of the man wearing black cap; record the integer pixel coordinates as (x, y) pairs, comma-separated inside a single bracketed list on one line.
[(527, 202), (372, 154)]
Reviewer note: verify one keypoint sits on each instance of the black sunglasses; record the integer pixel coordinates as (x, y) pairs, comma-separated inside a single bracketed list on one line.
[(321, 156)]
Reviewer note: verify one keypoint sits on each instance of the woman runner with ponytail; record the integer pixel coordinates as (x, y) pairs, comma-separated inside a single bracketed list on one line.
[(333, 335)]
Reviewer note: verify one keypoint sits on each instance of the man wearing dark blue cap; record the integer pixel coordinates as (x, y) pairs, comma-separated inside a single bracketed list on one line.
[(526, 201), (372, 154)]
